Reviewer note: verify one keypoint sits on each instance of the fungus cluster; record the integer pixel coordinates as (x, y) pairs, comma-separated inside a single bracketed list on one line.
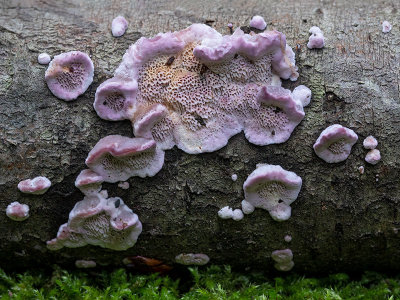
[(228, 213), (36, 186), (283, 259), (334, 143), (374, 155), (17, 211), (272, 188), (316, 39)]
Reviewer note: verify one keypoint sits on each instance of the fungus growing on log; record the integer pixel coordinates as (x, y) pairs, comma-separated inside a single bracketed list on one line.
[(89, 182), (116, 158), (85, 264), (69, 74), (36, 186), (373, 156), (17, 211), (302, 94), (197, 88), (258, 23), (386, 27), (225, 213), (247, 207), (370, 142), (44, 58), (192, 259), (99, 221), (283, 259), (316, 39), (119, 26), (334, 143), (272, 188)]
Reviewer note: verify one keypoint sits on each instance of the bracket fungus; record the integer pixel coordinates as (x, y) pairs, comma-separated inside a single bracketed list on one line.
[(196, 88), (69, 74), (272, 188), (36, 186), (316, 39), (89, 182), (119, 26), (192, 259), (17, 211), (258, 23), (373, 156), (99, 221), (283, 259), (116, 158), (334, 143)]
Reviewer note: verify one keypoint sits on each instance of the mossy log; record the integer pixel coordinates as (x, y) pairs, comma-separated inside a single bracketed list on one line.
[(342, 220)]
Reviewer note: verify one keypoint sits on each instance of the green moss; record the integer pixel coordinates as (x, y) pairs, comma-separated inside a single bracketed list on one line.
[(211, 283)]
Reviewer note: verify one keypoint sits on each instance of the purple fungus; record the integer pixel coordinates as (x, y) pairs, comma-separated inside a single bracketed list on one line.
[(247, 207), (197, 88), (69, 75), (44, 58), (272, 188), (17, 211), (373, 156), (283, 259), (316, 39), (288, 238), (114, 99), (198, 259), (334, 143), (258, 23), (89, 182), (275, 115), (98, 221), (36, 186), (85, 264), (234, 177), (237, 215), (370, 142), (116, 158), (302, 94), (123, 185), (119, 26), (386, 27)]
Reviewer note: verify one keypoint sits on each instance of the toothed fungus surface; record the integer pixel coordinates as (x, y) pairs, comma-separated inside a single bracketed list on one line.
[(116, 158), (85, 264), (283, 259), (373, 156), (192, 259), (258, 23), (370, 142), (386, 27), (89, 182), (119, 26), (99, 221), (316, 39), (44, 58), (36, 186), (272, 188), (197, 88), (17, 211), (69, 74), (334, 143)]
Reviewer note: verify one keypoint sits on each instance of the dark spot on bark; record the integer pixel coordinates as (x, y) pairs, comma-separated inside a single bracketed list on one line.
[(256, 30), (246, 29), (304, 20), (319, 11), (280, 201), (117, 203), (236, 56), (170, 61), (209, 22)]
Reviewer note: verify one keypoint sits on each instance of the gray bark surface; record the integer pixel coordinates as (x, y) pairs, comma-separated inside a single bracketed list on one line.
[(342, 220)]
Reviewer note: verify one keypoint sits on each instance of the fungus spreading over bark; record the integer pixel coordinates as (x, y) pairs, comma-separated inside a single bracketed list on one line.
[(370, 142), (198, 259), (195, 88), (283, 259), (36, 186), (116, 158), (272, 188), (258, 23), (17, 211), (69, 74), (119, 26), (99, 221), (316, 39), (44, 58), (373, 156), (334, 143)]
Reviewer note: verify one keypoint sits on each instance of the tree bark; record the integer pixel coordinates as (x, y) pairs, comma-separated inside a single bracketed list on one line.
[(341, 221)]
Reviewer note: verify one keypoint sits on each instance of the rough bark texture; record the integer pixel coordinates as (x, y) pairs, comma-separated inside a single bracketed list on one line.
[(342, 220)]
